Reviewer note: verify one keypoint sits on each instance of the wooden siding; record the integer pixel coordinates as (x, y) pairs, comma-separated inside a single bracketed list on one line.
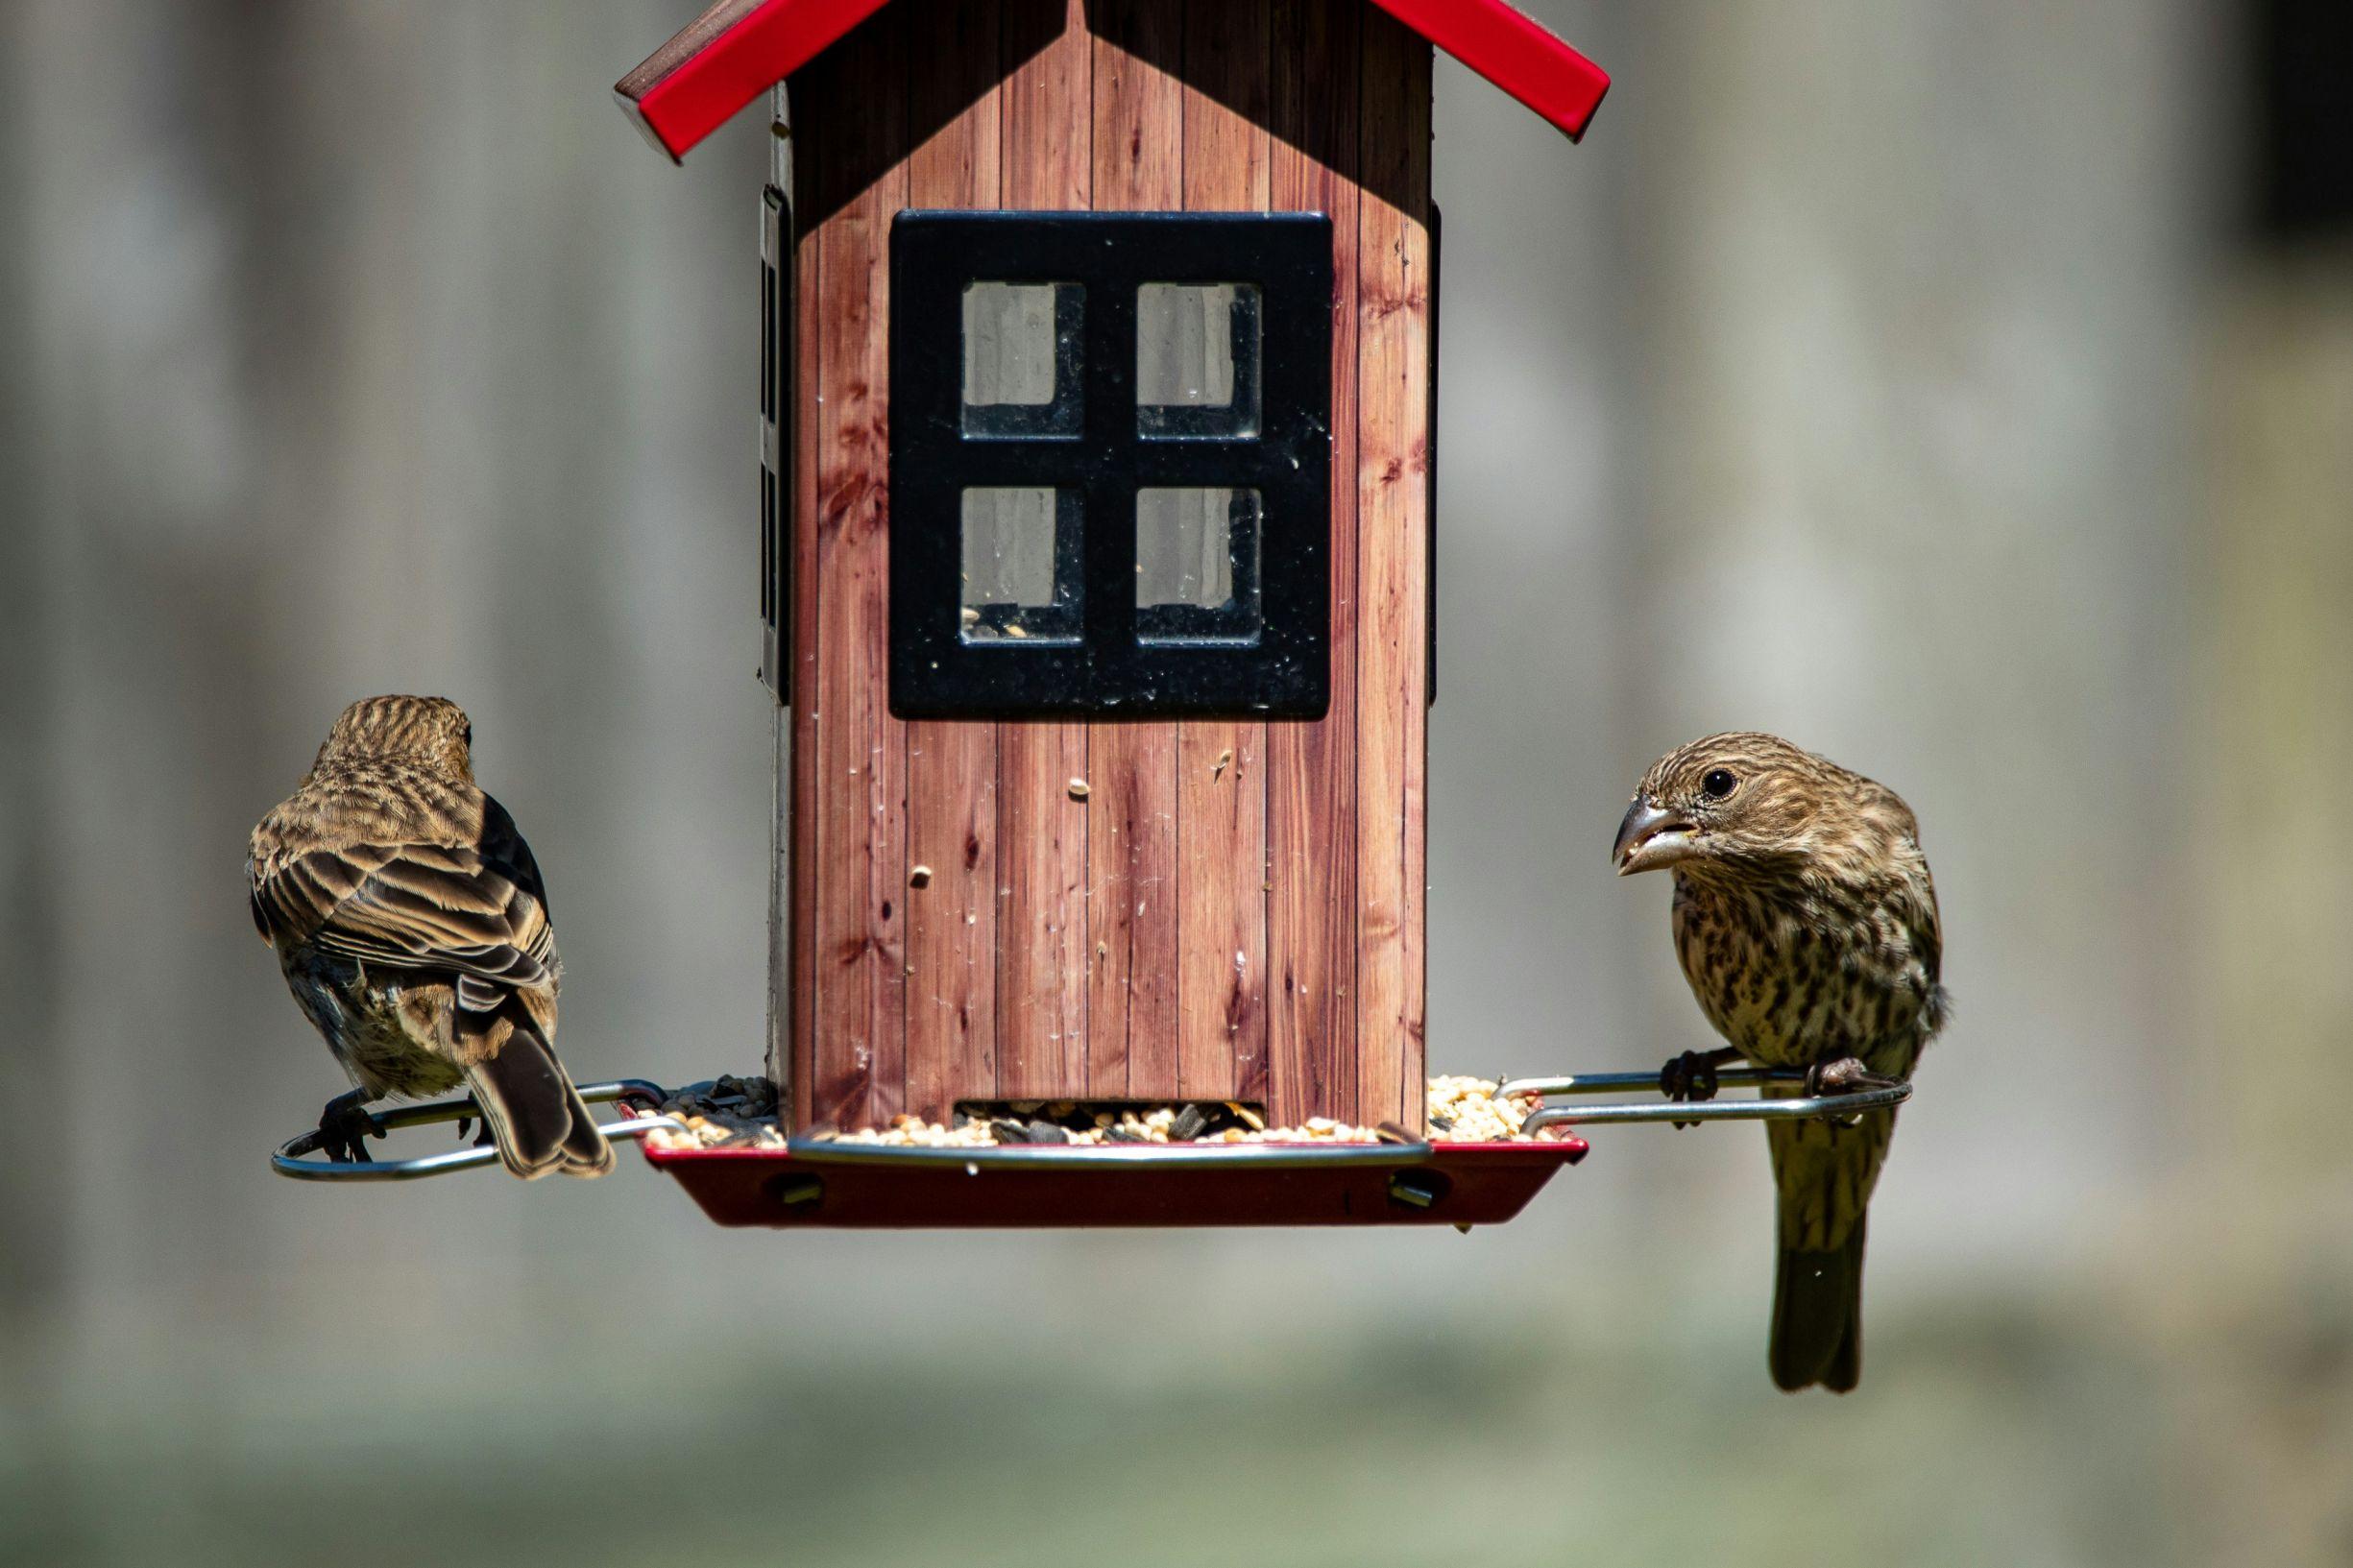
[(1393, 605), (1042, 822), (1311, 768), (1132, 885), (951, 798), (858, 1011), (1231, 909), (1221, 774)]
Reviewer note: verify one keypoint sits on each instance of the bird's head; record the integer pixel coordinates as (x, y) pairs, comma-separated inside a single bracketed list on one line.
[(1728, 804), (431, 733)]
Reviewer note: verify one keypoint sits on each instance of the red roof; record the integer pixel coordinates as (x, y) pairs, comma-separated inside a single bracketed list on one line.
[(738, 49)]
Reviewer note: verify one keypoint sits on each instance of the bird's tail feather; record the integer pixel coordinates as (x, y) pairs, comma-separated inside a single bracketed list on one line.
[(537, 1117), (1818, 1317)]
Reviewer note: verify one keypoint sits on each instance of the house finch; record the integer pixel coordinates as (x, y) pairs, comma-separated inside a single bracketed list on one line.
[(412, 926), (1806, 922)]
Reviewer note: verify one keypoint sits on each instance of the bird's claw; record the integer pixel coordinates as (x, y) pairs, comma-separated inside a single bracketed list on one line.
[(345, 1126), (1688, 1077), (1835, 1075)]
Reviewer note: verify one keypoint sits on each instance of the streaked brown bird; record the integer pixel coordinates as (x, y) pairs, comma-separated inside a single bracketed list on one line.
[(1806, 922), (411, 923)]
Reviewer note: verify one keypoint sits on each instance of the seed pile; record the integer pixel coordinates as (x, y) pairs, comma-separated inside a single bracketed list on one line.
[(1045, 1124), (740, 1113), (1466, 1111), (726, 1113)]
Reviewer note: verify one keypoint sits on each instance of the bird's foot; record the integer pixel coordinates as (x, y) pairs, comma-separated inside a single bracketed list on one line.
[(1834, 1075), (482, 1139), (346, 1125), (1690, 1077), (1844, 1075)]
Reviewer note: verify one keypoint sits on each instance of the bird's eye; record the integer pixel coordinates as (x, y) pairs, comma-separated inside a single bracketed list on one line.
[(468, 740), (1717, 785)]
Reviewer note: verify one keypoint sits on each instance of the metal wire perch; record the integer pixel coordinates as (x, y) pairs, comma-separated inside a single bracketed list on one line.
[(290, 1158), (1796, 1108)]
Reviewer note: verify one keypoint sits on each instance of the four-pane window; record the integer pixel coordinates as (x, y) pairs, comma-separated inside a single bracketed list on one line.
[(1110, 464)]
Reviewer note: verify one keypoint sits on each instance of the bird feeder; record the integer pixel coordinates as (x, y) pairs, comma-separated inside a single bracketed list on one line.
[(1098, 400), (1099, 339)]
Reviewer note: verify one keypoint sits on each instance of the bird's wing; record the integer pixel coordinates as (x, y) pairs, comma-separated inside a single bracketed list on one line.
[(253, 899), (415, 906), (503, 848)]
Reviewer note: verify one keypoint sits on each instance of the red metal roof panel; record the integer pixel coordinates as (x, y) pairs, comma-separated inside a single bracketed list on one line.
[(1513, 51), (738, 49)]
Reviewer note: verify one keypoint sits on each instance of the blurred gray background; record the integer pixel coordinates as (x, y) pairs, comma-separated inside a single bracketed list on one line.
[(1922, 381)]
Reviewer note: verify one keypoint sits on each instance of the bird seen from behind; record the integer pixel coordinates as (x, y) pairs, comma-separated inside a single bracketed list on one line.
[(411, 923), (1806, 922)]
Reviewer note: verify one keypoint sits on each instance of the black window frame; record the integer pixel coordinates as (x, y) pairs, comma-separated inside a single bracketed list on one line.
[(1109, 672)]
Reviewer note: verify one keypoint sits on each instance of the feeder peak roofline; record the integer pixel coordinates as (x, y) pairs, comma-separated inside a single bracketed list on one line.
[(738, 49)]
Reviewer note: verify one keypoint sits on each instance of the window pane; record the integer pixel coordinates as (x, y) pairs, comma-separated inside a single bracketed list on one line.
[(1196, 359), (1196, 565), (1021, 358), (1021, 565)]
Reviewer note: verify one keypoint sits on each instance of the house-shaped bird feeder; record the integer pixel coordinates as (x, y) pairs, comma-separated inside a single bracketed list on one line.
[(1099, 384)]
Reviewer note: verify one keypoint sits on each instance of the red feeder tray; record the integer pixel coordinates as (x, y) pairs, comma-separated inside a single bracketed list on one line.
[(870, 1186)]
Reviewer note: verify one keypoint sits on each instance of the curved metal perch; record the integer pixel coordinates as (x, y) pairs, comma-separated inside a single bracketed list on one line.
[(289, 1159), (1794, 1109)]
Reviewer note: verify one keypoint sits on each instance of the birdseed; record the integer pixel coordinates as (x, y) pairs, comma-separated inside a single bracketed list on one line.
[(1465, 1110), (740, 1113)]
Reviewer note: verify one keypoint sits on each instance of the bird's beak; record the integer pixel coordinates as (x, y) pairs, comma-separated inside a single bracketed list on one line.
[(1651, 837)]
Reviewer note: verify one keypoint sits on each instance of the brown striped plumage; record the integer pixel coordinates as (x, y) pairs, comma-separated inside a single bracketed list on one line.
[(411, 923), (1806, 922)]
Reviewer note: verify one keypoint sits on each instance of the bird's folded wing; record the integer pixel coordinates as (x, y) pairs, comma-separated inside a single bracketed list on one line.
[(413, 906)]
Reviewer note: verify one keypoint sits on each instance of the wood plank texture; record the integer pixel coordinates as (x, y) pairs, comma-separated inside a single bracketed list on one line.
[(1132, 850), (1393, 425), (1221, 778), (1232, 911), (1311, 768), (859, 1009), (1048, 164), (1049, 111), (952, 767)]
